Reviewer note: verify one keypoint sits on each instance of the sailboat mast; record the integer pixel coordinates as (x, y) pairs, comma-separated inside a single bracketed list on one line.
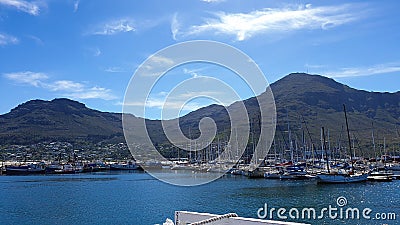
[(312, 144), (290, 137), (348, 136), (326, 152), (373, 140)]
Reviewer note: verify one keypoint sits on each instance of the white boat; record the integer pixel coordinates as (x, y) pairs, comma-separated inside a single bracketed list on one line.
[(297, 175), (182, 165), (381, 175), (294, 173), (272, 175), (196, 218), (218, 169), (341, 178)]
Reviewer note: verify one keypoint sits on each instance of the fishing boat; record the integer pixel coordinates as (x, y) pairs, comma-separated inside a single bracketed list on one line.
[(342, 176), (25, 169)]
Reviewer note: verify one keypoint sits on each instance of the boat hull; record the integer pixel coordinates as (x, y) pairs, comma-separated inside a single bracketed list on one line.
[(340, 178), (23, 170)]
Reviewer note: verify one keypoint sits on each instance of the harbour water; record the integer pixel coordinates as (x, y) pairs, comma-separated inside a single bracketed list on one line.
[(139, 199)]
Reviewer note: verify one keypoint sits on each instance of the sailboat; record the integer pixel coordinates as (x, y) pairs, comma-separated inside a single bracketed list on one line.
[(342, 176), (381, 174)]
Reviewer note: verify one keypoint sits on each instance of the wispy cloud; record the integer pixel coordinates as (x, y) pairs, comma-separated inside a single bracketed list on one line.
[(36, 39), (173, 105), (27, 77), (115, 69), (114, 27), (76, 5), (96, 52), (179, 102), (175, 26), (93, 93), (156, 65), (66, 88), (271, 20), (161, 60), (6, 39), (213, 1), (193, 72), (65, 85), (363, 71), (24, 6)]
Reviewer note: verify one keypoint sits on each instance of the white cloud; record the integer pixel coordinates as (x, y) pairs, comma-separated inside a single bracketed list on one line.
[(115, 27), (213, 1), (64, 87), (314, 66), (271, 20), (193, 72), (115, 69), (171, 105), (180, 101), (364, 71), (6, 39), (161, 60), (93, 93), (174, 105), (25, 6), (96, 52), (175, 26), (76, 5), (27, 77), (156, 65), (36, 39), (193, 94)]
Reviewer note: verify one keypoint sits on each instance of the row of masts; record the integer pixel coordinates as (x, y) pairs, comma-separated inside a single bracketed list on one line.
[(292, 150)]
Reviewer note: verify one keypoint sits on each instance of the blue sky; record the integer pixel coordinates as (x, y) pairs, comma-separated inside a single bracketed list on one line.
[(88, 50)]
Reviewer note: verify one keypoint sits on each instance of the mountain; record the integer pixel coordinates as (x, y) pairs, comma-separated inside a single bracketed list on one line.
[(302, 101), (59, 119), (318, 101), (306, 103)]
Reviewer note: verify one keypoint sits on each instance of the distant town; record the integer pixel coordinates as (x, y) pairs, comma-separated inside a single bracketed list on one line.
[(64, 151)]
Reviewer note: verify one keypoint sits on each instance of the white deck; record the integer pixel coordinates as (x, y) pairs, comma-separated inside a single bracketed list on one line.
[(184, 218)]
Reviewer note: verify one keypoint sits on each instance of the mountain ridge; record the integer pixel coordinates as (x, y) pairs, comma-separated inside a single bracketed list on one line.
[(301, 99)]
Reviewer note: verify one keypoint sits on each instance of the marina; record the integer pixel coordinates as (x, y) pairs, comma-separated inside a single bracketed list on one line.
[(135, 197), (206, 112)]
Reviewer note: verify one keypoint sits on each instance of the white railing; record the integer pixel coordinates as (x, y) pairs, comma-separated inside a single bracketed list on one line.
[(194, 218)]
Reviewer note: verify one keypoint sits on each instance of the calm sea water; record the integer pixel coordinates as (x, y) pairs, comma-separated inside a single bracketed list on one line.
[(137, 198)]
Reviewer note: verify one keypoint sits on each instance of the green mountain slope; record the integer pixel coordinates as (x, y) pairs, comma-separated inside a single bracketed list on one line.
[(301, 100)]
